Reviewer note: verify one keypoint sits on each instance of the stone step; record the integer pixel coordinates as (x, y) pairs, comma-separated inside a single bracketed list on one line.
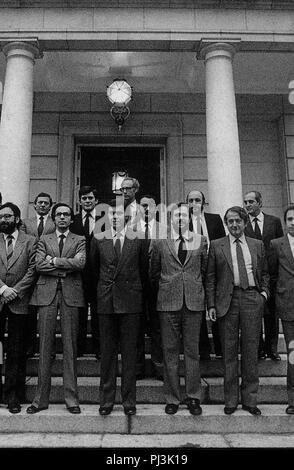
[(272, 390), (150, 419), (88, 366)]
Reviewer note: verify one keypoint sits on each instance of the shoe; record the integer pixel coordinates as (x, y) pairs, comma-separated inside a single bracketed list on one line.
[(31, 410), (130, 410), (14, 408), (194, 407), (261, 355), (252, 410), (274, 356), (290, 410), (229, 410), (75, 410), (171, 408), (105, 410), (205, 357)]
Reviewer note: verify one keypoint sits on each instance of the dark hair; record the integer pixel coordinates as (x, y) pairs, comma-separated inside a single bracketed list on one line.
[(289, 208), (43, 195), (257, 196), (148, 196), (59, 204), (86, 190), (240, 211), (15, 209), (119, 200)]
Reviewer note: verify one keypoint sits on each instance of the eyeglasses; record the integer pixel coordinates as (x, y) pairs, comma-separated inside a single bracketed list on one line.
[(6, 216), (65, 214)]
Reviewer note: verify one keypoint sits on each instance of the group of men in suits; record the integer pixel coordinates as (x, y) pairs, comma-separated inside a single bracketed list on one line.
[(136, 269)]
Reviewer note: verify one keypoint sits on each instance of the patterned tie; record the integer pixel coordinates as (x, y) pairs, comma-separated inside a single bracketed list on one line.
[(87, 224), (9, 247), (61, 243), (41, 226), (257, 229), (117, 247), (182, 253), (243, 277)]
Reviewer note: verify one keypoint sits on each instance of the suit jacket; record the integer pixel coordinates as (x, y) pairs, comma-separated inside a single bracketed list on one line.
[(30, 226), (214, 226), (281, 267), (77, 226), (220, 276), (177, 282), (272, 228), (20, 272), (67, 268), (120, 282)]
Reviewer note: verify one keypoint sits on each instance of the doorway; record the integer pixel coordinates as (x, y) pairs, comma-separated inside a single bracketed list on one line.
[(97, 164)]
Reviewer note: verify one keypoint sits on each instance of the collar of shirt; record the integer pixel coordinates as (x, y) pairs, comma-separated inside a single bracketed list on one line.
[(150, 224), (187, 236), (233, 239), (122, 233), (61, 233), (92, 214), (260, 218), (14, 234), (45, 217), (291, 239)]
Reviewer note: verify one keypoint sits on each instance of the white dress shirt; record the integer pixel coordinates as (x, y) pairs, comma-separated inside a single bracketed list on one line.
[(260, 219), (247, 259), (5, 235), (92, 219), (291, 241), (151, 227), (119, 235), (202, 224), (45, 217)]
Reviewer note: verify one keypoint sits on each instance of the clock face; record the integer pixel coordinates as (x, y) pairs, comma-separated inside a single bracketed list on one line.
[(119, 92)]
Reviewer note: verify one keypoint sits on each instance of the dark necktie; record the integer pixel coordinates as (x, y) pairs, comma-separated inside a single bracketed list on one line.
[(257, 229), (147, 231), (243, 277), (41, 226), (61, 243), (182, 253), (87, 224), (9, 247), (117, 247)]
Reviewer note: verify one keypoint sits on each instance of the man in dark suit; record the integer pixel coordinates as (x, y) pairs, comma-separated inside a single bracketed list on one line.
[(237, 286), (60, 259), (119, 261), (178, 266), (266, 228), (211, 226), (40, 224), (84, 224), (17, 277), (281, 266)]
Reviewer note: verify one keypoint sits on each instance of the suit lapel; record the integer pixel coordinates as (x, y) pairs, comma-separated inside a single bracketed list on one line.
[(68, 243), (253, 253), (227, 252), (19, 244), (54, 244), (285, 246), (249, 230), (124, 254), (172, 248), (3, 255)]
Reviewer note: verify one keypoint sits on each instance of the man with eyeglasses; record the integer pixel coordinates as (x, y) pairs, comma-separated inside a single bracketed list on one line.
[(37, 225), (84, 224), (60, 259), (211, 226), (129, 188), (17, 277)]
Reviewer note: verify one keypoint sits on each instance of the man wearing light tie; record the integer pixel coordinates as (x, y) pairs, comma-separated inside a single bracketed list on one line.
[(84, 224), (60, 259), (211, 226), (266, 228), (237, 286), (40, 224)]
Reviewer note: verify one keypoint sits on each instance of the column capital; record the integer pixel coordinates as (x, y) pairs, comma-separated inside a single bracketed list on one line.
[(29, 49), (214, 48)]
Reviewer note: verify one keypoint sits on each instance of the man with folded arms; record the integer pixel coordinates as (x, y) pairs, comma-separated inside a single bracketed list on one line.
[(178, 266), (60, 259), (237, 286)]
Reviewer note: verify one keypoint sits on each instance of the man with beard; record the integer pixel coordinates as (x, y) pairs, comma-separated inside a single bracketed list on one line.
[(17, 276)]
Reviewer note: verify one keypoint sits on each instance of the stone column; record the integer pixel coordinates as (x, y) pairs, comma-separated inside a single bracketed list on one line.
[(16, 123), (223, 151)]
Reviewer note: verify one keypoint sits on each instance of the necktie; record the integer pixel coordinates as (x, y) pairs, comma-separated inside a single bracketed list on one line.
[(9, 247), (257, 229), (41, 226), (182, 253), (243, 278), (87, 224), (117, 247), (147, 231), (61, 243)]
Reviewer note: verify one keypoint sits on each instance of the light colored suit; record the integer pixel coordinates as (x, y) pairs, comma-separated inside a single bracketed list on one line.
[(30, 226), (59, 286)]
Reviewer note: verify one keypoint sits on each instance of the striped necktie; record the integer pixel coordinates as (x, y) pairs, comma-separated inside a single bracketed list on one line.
[(41, 226), (243, 277), (9, 247)]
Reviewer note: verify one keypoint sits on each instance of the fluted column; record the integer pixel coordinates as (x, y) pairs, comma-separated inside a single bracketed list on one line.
[(16, 123), (223, 150)]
